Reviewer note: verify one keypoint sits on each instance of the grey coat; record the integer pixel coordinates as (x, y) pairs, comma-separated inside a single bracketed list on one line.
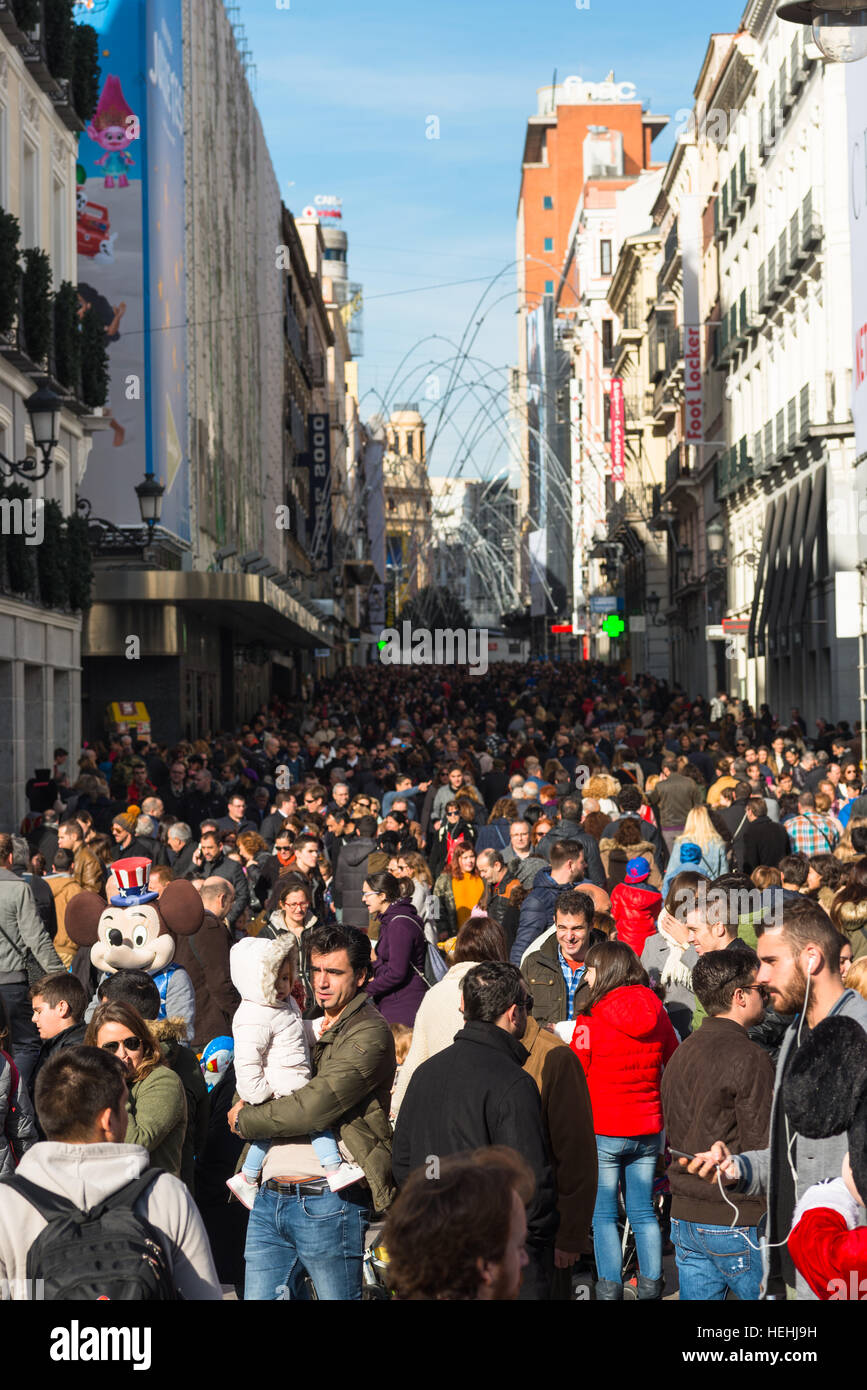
[(815, 1159), (679, 999), (21, 927)]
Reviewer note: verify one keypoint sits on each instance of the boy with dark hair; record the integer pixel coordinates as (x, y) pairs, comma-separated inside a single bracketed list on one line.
[(81, 1102), (59, 1002)]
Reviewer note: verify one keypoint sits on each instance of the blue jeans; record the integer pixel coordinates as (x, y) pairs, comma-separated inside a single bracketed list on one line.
[(630, 1163), (712, 1259), (324, 1146), (322, 1235)]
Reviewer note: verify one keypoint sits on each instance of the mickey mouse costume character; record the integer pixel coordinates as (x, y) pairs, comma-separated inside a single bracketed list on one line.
[(824, 1094), (137, 931)]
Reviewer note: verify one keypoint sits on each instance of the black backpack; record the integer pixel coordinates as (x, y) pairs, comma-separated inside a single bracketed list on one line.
[(106, 1253)]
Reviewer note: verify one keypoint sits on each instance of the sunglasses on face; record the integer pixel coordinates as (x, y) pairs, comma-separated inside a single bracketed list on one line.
[(129, 1044)]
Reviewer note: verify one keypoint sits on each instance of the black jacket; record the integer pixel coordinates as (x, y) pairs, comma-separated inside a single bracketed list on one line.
[(70, 1037), (198, 806), (469, 1096), (763, 842), (349, 876), (571, 830), (232, 871)]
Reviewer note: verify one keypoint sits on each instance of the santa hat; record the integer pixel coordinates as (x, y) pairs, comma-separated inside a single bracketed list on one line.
[(825, 1089), (132, 876)]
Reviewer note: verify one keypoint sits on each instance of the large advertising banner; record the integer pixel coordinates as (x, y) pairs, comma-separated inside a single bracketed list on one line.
[(856, 101), (166, 290), (131, 256)]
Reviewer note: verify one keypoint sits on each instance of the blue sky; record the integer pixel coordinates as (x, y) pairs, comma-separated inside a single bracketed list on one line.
[(345, 89)]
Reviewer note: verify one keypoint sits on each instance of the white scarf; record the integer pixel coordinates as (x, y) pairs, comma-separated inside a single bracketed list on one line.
[(674, 972)]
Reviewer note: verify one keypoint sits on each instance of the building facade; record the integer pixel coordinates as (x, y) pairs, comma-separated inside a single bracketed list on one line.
[(786, 481), (41, 597)]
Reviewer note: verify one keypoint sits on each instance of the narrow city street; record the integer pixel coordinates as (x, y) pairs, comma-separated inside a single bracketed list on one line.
[(433, 691)]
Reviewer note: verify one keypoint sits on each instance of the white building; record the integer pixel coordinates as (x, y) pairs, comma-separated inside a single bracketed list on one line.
[(40, 639), (786, 481)]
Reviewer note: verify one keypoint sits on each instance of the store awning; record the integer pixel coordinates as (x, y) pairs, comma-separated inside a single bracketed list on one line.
[(755, 629), (781, 570), (253, 605), (799, 605), (776, 526)]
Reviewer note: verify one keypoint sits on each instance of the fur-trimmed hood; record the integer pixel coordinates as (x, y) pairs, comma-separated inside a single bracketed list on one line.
[(644, 847), (254, 965), (169, 1030)]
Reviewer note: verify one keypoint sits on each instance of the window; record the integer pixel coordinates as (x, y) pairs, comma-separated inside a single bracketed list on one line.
[(4, 155), (58, 230), (549, 243), (549, 286), (606, 412), (410, 444), (547, 203), (29, 196), (607, 340), (605, 257)]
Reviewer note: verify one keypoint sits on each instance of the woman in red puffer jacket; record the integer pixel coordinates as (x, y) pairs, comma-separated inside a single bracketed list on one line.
[(623, 1040), (636, 905)]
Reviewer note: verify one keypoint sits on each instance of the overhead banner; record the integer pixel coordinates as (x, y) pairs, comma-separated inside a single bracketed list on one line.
[(689, 226), (856, 101), (618, 431), (320, 539), (131, 255)]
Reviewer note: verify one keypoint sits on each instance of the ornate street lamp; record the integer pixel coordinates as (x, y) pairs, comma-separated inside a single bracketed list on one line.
[(150, 500), (104, 535), (839, 26), (716, 539), (44, 409)]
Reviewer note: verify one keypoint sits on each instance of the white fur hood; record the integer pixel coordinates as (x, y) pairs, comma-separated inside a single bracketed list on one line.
[(254, 965)]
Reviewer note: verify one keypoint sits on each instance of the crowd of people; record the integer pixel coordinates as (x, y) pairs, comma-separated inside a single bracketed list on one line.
[(536, 967)]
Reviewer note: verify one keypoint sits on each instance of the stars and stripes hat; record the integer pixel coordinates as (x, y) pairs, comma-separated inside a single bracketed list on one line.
[(132, 876)]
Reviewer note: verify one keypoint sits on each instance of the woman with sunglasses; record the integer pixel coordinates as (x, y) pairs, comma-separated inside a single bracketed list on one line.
[(157, 1104)]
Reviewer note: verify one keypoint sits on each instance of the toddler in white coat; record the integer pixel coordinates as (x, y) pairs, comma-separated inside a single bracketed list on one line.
[(272, 1057)]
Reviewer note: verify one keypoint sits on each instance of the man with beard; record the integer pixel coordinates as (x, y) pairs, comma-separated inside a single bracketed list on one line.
[(800, 969), (460, 1233)]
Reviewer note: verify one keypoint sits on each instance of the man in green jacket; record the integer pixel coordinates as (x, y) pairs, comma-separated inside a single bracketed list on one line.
[(298, 1225)]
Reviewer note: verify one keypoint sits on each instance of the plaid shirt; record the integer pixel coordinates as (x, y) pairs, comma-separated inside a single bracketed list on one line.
[(811, 833), (573, 979)]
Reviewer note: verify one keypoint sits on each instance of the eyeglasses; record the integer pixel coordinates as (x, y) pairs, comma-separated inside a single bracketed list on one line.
[(453, 814), (298, 905), (129, 1044), (369, 893)]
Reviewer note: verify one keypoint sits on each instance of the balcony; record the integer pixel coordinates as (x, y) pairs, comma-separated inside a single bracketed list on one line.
[(661, 325), (678, 474), (638, 407), (734, 468), (746, 177), (811, 227)]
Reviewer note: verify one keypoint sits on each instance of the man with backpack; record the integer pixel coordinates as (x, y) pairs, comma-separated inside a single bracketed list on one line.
[(85, 1167)]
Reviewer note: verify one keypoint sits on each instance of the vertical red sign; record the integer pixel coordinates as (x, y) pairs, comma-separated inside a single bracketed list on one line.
[(618, 431)]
